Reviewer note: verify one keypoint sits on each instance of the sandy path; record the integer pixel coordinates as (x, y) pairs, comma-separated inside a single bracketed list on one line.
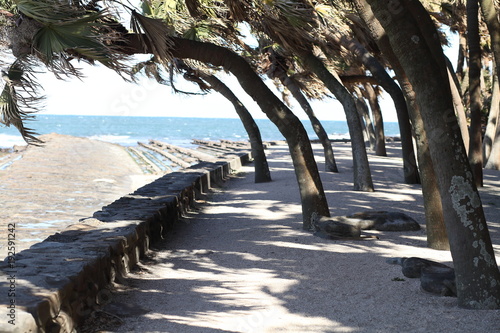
[(243, 263), (67, 179)]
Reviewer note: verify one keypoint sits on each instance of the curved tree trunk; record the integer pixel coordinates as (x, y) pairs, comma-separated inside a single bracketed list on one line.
[(491, 127), (459, 111), (279, 72), (462, 49), (490, 15), (362, 175), (434, 219), (378, 71), (313, 198), (378, 122), (494, 159), (420, 54), (475, 135), (366, 121), (262, 173)]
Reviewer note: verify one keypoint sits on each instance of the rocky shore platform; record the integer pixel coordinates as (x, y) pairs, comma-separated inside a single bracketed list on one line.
[(77, 214)]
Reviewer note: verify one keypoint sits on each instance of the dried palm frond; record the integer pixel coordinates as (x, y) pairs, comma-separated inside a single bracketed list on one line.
[(19, 100), (154, 35)]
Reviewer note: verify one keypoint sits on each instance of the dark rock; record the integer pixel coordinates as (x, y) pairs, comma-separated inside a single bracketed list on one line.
[(384, 221), (435, 278), (439, 281), (336, 227)]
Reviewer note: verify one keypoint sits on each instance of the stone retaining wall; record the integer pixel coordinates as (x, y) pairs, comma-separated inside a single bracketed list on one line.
[(58, 282)]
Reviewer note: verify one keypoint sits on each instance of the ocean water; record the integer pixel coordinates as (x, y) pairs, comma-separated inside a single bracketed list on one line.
[(127, 131)]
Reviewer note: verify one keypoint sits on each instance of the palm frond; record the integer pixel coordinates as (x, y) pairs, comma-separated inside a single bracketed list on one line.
[(155, 36), (19, 100)]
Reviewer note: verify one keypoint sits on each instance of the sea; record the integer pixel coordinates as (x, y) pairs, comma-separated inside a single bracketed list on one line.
[(127, 131)]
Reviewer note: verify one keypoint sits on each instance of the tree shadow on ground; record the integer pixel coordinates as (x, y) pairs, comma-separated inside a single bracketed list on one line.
[(244, 264)]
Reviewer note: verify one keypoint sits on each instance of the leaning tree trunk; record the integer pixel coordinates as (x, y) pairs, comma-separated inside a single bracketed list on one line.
[(491, 127), (313, 198), (362, 175), (475, 134), (494, 158), (262, 173), (459, 111), (378, 122), (364, 114), (378, 71), (490, 15), (279, 72), (434, 218), (420, 54)]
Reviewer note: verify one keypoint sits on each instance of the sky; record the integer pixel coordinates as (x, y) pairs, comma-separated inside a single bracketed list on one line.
[(103, 92)]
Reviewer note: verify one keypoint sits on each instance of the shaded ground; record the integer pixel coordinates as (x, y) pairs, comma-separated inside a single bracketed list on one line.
[(242, 263)]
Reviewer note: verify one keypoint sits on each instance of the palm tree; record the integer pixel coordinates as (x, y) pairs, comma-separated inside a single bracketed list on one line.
[(424, 63)]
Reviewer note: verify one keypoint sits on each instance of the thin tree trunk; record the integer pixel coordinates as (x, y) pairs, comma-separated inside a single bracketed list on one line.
[(462, 49), (378, 122), (364, 114), (420, 54), (491, 127), (378, 71), (312, 194), (475, 135), (459, 112), (262, 173), (494, 159), (490, 15), (330, 164), (434, 218), (362, 175), (279, 72)]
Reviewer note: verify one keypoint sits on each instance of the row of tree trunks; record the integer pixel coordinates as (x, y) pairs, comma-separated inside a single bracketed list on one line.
[(434, 220), (370, 94), (262, 173), (378, 71), (420, 54), (362, 175), (490, 16), (278, 71), (313, 198)]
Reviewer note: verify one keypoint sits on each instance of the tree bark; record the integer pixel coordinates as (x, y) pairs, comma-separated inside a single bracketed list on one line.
[(312, 194), (378, 122), (262, 173), (378, 71), (459, 112), (280, 73), (420, 54), (462, 49), (362, 175), (475, 135), (491, 127), (366, 121), (490, 15), (434, 219)]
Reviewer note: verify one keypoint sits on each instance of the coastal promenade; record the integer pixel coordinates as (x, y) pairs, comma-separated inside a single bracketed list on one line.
[(237, 259)]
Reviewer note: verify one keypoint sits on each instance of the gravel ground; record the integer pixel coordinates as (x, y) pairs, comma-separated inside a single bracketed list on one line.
[(242, 263)]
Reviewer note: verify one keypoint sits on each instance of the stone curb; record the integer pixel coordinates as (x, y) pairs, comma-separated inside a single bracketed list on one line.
[(57, 283)]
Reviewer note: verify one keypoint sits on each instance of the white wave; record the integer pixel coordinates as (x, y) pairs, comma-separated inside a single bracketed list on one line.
[(7, 140), (124, 140)]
